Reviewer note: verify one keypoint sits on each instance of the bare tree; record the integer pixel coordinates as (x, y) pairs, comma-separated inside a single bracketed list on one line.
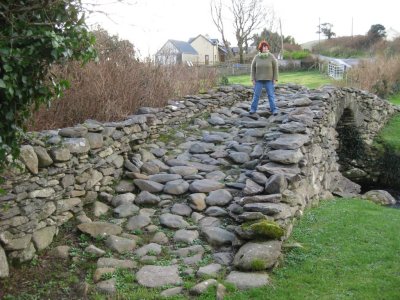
[(248, 15), (216, 14), (280, 55)]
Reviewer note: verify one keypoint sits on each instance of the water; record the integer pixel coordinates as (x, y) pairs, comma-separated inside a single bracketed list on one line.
[(393, 192), (396, 195)]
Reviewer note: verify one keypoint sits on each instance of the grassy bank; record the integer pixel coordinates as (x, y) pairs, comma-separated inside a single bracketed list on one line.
[(390, 134), (310, 79), (395, 99), (387, 144), (351, 251)]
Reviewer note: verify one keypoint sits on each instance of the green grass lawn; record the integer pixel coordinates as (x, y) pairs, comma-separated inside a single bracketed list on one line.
[(351, 251), (390, 134), (310, 79), (395, 99)]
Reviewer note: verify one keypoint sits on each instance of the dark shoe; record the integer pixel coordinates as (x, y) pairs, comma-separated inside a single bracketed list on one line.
[(252, 112)]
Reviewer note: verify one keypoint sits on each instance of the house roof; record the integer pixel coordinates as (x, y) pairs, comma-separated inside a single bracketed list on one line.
[(235, 49), (223, 49), (183, 47), (212, 41)]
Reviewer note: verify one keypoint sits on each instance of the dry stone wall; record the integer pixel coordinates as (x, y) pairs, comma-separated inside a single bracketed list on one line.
[(232, 179)]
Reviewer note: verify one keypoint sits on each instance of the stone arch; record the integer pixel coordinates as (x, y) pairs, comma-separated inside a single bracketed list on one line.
[(351, 147), (357, 122)]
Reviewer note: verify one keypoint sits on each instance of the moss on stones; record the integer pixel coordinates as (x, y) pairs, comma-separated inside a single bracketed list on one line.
[(264, 229), (258, 264)]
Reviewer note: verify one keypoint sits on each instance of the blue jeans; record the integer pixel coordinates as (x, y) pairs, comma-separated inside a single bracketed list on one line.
[(269, 87)]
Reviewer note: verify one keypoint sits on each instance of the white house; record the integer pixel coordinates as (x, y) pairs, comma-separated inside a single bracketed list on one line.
[(176, 52), (199, 50), (209, 50)]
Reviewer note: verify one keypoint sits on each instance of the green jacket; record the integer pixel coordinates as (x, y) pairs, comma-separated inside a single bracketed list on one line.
[(264, 68)]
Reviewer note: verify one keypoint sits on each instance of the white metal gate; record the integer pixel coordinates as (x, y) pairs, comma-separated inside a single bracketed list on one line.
[(336, 70)]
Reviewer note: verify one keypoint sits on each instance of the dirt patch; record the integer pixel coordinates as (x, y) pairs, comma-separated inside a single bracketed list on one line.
[(46, 277)]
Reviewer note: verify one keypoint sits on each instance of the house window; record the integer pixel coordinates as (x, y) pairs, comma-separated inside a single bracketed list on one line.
[(206, 59)]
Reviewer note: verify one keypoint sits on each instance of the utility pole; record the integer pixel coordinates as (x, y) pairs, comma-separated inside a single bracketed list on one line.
[(351, 27), (319, 32), (319, 42), (280, 26)]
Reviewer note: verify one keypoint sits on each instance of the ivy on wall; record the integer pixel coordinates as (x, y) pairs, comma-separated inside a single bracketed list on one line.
[(33, 36)]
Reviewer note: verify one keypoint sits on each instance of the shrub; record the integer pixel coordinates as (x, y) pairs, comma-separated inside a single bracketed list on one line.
[(301, 54), (117, 85), (380, 76), (34, 36), (393, 47), (224, 80), (356, 46), (291, 47)]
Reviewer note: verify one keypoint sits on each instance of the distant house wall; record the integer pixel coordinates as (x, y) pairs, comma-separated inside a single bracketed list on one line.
[(208, 53), (192, 58), (178, 52), (167, 55), (251, 50), (170, 55), (222, 55)]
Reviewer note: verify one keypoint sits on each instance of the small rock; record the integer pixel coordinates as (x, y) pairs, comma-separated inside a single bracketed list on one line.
[(202, 287)]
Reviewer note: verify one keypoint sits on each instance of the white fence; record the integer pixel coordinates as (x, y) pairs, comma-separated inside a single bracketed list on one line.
[(337, 69)]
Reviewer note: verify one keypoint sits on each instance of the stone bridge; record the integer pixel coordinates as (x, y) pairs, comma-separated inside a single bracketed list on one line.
[(215, 188)]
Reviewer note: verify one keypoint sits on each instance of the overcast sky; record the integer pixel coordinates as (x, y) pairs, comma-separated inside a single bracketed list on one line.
[(148, 24)]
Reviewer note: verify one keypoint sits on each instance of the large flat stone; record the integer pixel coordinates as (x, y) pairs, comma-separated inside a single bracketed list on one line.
[(205, 186), (244, 280), (285, 156), (100, 228), (257, 256), (289, 141), (158, 276), (274, 168)]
